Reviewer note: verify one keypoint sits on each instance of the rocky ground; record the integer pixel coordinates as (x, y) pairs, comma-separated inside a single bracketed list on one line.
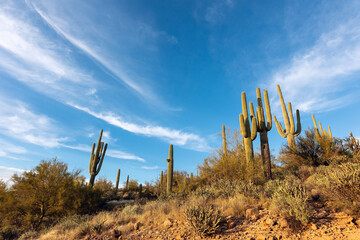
[(258, 224)]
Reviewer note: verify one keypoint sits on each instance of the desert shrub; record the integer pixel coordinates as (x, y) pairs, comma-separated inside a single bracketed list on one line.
[(104, 186), (204, 219), (132, 210), (341, 183), (231, 166), (9, 232), (291, 201), (40, 197), (71, 222), (29, 235)]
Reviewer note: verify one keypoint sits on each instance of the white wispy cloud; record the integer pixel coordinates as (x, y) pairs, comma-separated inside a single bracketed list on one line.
[(7, 172), (31, 56), (323, 77), (150, 168), (177, 137), (111, 153), (8, 150), (19, 122), (77, 35)]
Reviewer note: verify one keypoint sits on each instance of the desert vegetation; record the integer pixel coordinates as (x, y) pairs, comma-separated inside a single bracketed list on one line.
[(235, 185)]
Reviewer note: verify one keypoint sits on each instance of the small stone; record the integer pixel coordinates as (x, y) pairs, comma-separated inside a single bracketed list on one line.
[(318, 205), (252, 214), (261, 237), (313, 226), (168, 223), (230, 223), (283, 223), (136, 226), (269, 222)]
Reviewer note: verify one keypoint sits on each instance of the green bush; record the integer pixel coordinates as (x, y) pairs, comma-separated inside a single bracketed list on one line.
[(291, 201), (204, 219)]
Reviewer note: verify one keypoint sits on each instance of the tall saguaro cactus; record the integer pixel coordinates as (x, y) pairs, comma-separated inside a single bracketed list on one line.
[(96, 159), (249, 134), (224, 140), (289, 131), (117, 181), (127, 183), (263, 127), (170, 170)]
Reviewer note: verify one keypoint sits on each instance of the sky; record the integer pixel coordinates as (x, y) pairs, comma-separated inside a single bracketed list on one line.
[(155, 73)]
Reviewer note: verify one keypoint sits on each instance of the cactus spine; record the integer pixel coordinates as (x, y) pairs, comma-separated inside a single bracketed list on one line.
[(117, 181), (170, 170), (127, 183), (249, 134), (289, 131), (263, 128), (96, 159), (224, 140)]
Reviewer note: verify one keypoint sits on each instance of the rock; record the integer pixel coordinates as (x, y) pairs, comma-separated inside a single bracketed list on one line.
[(136, 226), (313, 226), (168, 223), (269, 222), (345, 221), (230, 223), (318, 205), (252, 214), (283, 223), (261, 237)]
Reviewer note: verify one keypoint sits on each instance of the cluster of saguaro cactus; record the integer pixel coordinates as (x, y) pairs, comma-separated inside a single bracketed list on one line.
[(290, 133), (263, 127), (117, 181), (170, 169), (248, 133), (323, 137), (96, 159)]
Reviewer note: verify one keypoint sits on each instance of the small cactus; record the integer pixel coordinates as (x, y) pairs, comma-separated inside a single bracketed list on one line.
[(354, 144), (96, 159), (117, 181), (161, 179), (127, 183), (323, 137), (170, 170), (289, 131), (249, 134), (140, 191), (224, 140), (263, 127)]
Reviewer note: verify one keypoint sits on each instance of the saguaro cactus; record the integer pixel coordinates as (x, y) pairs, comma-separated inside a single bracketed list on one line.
[(161, 179), (224, 140), (263, 128), (289, 131), (249, 134), (140, 191), (322, 133), (117, 181), (96, 159), (170, 170), (127, 183), (353, 144)]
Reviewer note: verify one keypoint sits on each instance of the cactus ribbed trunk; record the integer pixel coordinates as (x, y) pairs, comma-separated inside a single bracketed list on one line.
[(161, 179), (170, 170), (127, 183), (265, 153), (140, 191), (117, 181)]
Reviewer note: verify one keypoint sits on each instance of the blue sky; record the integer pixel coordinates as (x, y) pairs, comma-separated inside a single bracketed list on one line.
[(151, 73)]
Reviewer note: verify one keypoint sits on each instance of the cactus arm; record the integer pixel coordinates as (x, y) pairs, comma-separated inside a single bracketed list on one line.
[(98, 146), (292, 123), (224, 139), (268, 111), (280, 128), (260, 118), (321, 129), (252, 112), (101, 161), (253, 129), (91, 159), (283, 107), (298, 125), (242, 126), (244, 107), (330, 134)]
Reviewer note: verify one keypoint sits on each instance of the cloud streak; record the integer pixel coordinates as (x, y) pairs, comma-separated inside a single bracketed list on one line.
[(177, 137), (7, 172), (316, 77)]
